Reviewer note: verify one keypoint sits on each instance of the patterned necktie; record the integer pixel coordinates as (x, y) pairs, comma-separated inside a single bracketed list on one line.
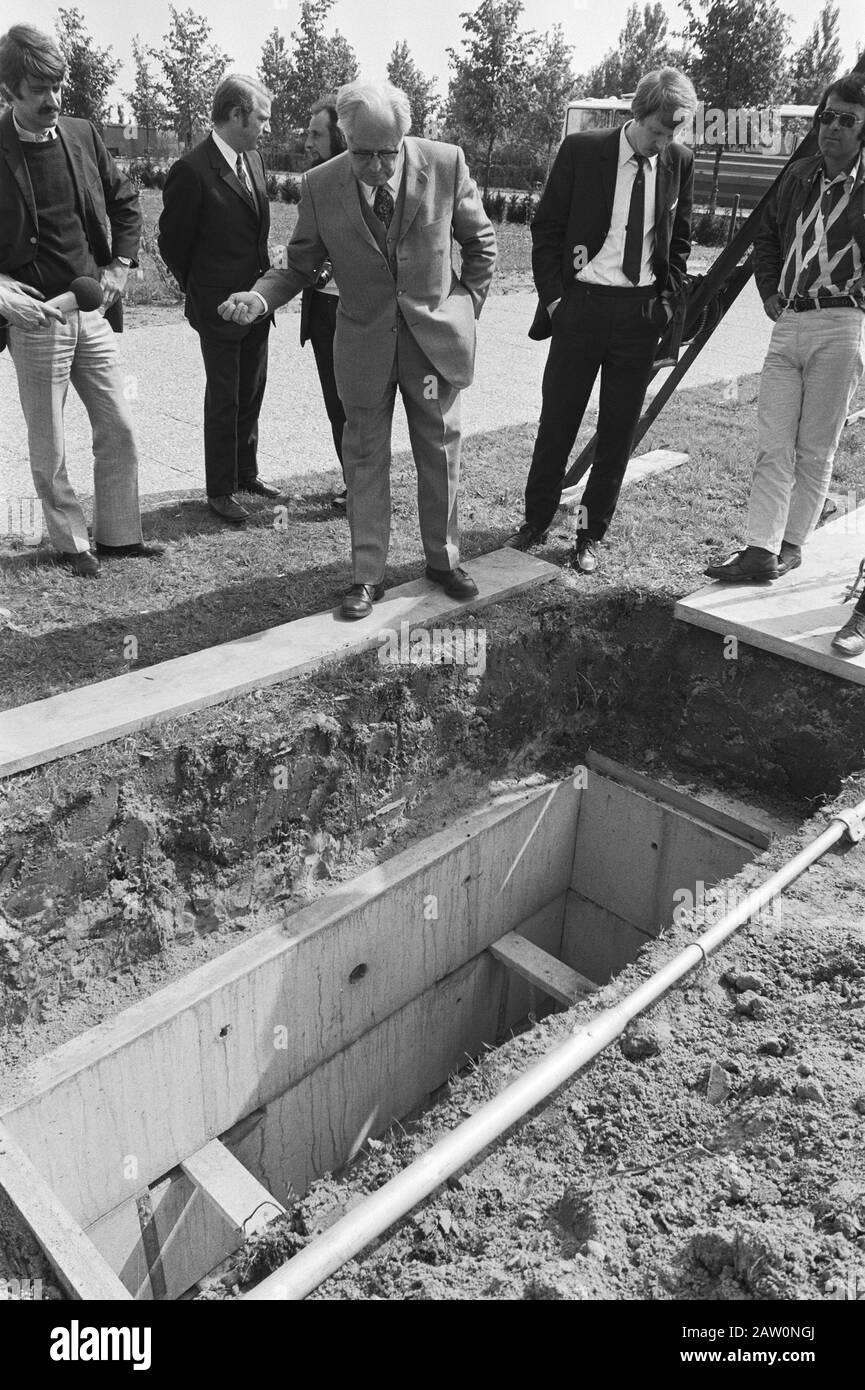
[(241, 174), (632, 260), (382, 205)]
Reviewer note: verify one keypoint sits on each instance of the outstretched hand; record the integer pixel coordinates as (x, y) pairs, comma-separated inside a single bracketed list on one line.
[(241, 308)]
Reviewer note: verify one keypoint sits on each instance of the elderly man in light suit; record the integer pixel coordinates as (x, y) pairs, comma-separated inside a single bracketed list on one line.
[(385, 215)]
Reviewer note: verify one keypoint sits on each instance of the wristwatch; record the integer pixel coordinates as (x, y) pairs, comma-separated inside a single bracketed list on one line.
[(124, 260)]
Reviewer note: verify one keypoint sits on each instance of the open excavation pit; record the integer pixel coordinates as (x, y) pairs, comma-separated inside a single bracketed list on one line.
[(175, 1129)]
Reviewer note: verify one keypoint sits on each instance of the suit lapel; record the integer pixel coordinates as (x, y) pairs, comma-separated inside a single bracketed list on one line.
[(351, 196), (415, 180), (17, 164), (258, 183), (609, 170)]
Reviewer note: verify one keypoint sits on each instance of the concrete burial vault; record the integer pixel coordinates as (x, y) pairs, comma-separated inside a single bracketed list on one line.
[(798, 615), (144, 1151)]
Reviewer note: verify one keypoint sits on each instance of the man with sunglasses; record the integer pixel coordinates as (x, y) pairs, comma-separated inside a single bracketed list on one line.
[(386, 214), (809, 258)]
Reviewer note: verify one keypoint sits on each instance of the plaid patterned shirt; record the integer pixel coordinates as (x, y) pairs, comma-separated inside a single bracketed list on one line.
[(824, 258)]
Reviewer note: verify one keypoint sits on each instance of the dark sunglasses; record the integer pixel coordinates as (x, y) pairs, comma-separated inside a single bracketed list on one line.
[(844, 118)]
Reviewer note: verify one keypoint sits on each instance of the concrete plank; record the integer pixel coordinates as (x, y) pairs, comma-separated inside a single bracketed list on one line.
[(44, 730), (798, 615), (245, 1204), (541, 969)]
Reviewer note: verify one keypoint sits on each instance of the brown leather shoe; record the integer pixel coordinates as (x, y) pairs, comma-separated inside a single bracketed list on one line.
[(80, 562), (229, 509), (358, 600), (751, 565)]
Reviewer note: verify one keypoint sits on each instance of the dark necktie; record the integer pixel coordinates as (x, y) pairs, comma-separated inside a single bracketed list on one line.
[(633, 257), (382, 205)]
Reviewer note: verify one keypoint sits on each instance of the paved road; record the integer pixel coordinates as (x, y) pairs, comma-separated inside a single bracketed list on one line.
[(165, 382)]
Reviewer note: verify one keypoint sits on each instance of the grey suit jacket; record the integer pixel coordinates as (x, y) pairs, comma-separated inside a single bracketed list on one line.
[(442, 204)]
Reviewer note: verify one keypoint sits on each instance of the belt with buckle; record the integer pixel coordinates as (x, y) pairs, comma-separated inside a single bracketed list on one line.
[(803, 303)]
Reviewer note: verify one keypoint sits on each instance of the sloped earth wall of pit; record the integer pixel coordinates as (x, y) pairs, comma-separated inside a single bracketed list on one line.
[(132, 863)]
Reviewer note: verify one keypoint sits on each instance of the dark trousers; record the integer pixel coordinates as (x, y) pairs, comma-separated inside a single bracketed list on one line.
[(595, 328), (322, 326), (236, 370)]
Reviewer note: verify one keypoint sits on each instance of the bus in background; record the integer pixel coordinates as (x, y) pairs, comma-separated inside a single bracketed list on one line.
[(756, 143)]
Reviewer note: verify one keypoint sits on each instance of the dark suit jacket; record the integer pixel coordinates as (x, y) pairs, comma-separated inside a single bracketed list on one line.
[(105, 200), (210, 237), (778, 224), (576, 207)]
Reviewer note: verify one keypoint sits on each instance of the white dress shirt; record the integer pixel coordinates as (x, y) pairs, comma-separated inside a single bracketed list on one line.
[(606, 267), (393, 182), (230, 157), (33, 137)]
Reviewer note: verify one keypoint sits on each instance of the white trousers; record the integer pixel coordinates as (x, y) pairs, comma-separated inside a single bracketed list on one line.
[(814, 364), (82, 351)]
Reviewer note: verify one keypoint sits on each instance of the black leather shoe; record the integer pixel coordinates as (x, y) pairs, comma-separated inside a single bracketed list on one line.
[(139, 550), (229, 509), (259, 488), (80, 562), (358, 600), (585, 556), (749, 566), (456, 583), (850, 640), (789, 557), (526, 537)]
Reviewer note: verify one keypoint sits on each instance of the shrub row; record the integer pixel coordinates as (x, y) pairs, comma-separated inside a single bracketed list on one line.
[(513, 207), (149, 173)]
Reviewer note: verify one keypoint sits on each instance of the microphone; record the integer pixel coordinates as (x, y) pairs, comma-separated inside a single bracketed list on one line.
[(83, 293)]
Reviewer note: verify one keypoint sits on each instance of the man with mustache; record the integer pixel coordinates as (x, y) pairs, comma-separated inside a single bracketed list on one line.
[(66, 211)]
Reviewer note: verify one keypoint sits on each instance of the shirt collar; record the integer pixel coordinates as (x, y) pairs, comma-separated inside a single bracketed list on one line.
[(30, 137), (228, 154), (627, 151), (393, 182), (848, 179)]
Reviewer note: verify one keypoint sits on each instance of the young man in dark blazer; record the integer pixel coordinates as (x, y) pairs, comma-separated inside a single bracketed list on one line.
[(610, 241), (213, 236)]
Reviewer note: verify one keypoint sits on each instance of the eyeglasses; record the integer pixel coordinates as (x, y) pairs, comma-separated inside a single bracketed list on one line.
[(844, 118), (386, 156)]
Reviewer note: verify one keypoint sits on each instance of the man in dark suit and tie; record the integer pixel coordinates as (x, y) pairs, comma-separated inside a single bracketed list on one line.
[(610, 241), (213, 236)]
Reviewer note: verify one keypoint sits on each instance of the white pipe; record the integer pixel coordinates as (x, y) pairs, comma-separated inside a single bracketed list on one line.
[(365, 1222)]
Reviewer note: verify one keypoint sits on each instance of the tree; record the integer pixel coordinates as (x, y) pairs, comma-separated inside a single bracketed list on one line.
[(274, 70), (552, 82), (90, 71), (319, 64), (191, 66), (818, 61), (740, 59), (487, 93), (643, 46), (404, 73), (145, 103)]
